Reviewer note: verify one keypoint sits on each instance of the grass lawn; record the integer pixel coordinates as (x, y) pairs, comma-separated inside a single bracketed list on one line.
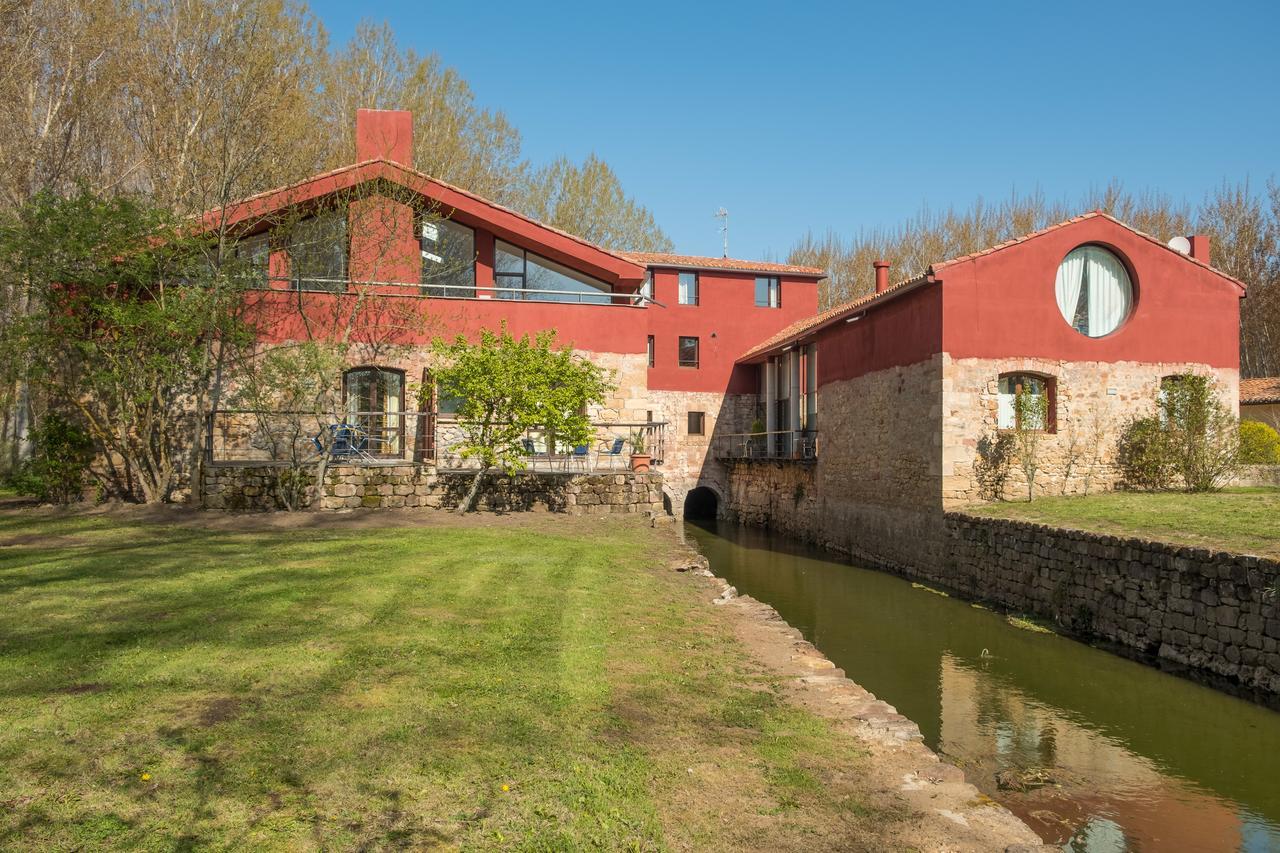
[(1240, 520), (521, 684)]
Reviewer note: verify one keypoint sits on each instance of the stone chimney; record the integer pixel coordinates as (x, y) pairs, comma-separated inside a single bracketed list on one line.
[(1199, 247), (385, 135), (882, 275)]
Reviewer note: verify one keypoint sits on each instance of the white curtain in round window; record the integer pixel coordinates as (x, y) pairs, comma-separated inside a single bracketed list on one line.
[(1093, 291), (1109, 292), (1067, 287)]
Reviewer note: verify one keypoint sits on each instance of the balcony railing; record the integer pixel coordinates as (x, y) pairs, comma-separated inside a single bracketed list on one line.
[(459, 291), (272, 437), (778, 444)]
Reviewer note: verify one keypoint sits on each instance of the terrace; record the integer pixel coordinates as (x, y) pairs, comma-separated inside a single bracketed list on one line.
[(257, 437)]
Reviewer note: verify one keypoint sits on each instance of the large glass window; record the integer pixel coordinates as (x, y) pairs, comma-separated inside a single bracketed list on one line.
[(448, 258), (1039, 406), (688, 352), (375, 397), (1093, 290), (318, 252), (523, 275), (646, 289), (810, 410), (688, 288), (254, 253), (768, 291)]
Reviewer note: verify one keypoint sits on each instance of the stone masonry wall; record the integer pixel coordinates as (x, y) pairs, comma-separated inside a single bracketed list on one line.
[(1094, 400), (252, 488), (874, 492), (1210, 611)]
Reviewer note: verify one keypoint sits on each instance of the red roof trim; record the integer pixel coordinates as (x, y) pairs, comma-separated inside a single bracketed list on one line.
[(795, 331), (503, 221)]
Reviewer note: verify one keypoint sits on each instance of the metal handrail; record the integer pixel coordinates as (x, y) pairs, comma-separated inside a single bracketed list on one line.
[(518, 294), (774, 444), (418, 436)]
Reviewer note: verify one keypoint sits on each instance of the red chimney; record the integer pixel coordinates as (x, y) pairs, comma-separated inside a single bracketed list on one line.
[(882, 275), (385, 135), (1200, 247)]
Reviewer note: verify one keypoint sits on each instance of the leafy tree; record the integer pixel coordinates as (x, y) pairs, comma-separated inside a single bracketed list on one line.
[(589, 201), (509, 387), (121, 312), (1031, 420)]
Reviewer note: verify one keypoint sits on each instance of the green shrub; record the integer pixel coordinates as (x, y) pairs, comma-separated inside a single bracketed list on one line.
[(1203, 436), (1259, 444), (1144, 455), (60, 460)]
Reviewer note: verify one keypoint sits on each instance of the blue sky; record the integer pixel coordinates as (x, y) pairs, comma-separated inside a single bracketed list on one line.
[(847, 116)]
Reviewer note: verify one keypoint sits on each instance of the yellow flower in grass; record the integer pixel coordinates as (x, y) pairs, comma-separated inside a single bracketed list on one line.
[(146, 777), (506, 788)]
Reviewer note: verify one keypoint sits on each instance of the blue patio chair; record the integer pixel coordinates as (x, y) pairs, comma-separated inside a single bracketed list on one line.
[(613, 451), (579, 456), (345, 442)]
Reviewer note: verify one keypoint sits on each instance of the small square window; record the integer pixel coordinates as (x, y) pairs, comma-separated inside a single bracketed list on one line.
[(688, 288), (688, 352), (697, 423)]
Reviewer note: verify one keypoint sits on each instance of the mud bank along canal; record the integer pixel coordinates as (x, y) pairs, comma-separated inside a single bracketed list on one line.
[(1093, 751)]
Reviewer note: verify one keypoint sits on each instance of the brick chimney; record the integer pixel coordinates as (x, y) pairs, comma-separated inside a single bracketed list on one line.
[(1199, 247), (882, 275), (385, 134)]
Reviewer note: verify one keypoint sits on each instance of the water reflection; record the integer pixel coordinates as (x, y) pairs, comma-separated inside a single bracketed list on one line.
[(1109, 754)]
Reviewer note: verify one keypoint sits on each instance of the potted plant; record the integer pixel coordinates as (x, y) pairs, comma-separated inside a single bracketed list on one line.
[(640, 460)]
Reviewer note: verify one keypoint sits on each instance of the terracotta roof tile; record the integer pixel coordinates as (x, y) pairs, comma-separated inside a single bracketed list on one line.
[(1265, 389), (665, 259)]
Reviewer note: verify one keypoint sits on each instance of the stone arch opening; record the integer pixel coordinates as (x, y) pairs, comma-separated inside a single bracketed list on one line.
[(701, 503)]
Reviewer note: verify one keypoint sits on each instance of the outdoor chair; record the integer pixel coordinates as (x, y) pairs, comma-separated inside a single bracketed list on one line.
[(578, 458), (613, 451), (345, 442)]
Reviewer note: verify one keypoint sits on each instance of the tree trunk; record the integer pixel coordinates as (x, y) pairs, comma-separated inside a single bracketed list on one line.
[(466, 504)]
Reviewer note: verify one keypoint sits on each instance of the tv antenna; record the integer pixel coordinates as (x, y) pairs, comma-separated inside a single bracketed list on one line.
[(723, 216)]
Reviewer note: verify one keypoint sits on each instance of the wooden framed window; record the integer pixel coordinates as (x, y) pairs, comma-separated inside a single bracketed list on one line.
[(688, 288), (1042, 395), (688, 352)]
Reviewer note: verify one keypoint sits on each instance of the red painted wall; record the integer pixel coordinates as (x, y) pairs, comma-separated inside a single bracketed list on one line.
[(595, 328), (905, 330), (1002, 304), (727, 323)]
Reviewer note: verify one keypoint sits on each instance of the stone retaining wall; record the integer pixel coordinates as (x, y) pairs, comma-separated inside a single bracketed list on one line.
[(253, 488), (1210, 611)]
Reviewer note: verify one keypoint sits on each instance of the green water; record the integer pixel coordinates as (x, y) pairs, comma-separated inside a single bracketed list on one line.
[(1142, 760)]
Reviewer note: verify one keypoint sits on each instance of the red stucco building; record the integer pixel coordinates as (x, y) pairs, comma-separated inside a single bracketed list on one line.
[(849, 423)]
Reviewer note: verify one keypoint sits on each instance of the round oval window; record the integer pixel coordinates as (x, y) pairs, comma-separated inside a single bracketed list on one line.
[(1094, 292)]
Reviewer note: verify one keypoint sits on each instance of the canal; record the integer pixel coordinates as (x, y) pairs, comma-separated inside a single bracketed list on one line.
[(1138, 759)]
